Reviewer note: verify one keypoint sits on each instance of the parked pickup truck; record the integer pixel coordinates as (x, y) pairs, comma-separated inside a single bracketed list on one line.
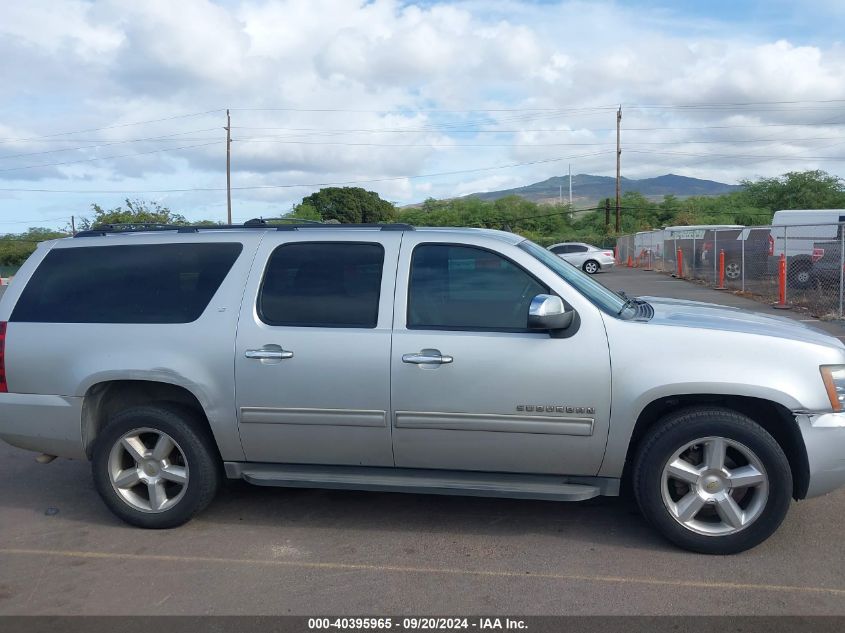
[(445, 361)]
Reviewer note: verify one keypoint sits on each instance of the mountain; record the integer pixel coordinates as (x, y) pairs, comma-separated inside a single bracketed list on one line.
[(588, 190)]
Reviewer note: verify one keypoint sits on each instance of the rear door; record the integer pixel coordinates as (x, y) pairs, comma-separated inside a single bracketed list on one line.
[(312, 358)]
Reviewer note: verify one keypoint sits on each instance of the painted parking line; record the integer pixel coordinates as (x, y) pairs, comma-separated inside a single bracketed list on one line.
[(451, 571)]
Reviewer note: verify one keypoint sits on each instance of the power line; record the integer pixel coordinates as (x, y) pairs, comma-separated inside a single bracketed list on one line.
[(282, 141), (765, 157), (518, 130), (166, 137), (88, 160), (436, 110), (112, 127), (64, 217), (592, 108), (303, 185)]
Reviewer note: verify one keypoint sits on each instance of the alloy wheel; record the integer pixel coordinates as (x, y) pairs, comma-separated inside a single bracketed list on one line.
[(733, 271), (148, 470), (714, 486)]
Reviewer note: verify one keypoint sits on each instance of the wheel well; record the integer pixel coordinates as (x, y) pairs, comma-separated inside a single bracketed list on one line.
[(800, 263), (775, 418), (105, 399)]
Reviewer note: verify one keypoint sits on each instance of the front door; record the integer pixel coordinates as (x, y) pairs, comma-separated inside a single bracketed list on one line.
[(473, 388), (312, 356)]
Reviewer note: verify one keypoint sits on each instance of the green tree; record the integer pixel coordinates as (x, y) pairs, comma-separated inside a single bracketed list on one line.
[(305, 211), (14, 249), (348, 205), (796, 190), (135, 212)]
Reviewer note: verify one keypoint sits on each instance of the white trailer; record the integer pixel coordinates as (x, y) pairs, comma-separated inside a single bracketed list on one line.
[(808, 238)]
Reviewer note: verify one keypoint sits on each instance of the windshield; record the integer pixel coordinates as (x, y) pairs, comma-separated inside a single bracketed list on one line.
[(603, 298)]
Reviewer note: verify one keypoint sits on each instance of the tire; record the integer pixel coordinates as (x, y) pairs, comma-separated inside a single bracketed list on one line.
[(147, 493), (591, 267), (756, 510), (800, 276), (733, 270)]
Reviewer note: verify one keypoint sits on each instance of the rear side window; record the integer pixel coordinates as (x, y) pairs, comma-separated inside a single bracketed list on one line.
[(322, 284), (149, 283)]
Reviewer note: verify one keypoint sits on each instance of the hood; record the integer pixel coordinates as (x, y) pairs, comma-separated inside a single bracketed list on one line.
[(711, 316)]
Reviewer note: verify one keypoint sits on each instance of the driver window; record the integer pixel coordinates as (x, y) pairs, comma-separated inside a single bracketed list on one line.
[(467, 288)]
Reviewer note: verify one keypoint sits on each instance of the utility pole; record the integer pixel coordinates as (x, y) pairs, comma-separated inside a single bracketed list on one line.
[(607, 215), (228, 167), (72, 225), (570, 186), (560, 194), (618, 161)]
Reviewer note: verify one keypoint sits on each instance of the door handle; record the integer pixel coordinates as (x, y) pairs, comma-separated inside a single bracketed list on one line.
[(427, 357), (268, 354)]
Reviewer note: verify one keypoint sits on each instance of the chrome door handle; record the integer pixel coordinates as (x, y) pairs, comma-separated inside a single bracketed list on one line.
[(427, 357), (268, 354)]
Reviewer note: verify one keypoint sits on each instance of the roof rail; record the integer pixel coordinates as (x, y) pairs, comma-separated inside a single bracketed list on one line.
[(398, 226), (256, 223)]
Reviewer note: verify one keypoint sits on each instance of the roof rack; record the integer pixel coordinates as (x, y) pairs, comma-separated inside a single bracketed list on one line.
[(256, 223)]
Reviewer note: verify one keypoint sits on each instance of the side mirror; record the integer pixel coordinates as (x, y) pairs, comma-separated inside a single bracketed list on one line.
[(547, 312)]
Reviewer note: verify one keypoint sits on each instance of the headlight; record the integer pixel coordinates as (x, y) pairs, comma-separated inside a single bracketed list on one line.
[(834, 382)]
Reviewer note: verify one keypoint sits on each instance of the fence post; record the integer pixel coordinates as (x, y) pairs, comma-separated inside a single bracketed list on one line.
[(680, 264), (742, 263), (841, 264), (715, 250), (785, 264), (721, 285), (692, 274), (782, 304)]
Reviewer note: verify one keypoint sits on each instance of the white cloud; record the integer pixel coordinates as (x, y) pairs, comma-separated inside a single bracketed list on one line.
[(79, 65)]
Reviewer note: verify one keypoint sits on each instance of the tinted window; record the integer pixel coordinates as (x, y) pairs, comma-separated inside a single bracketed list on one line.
[(460, 287), (577, 248), (155, 283), (559, 250), (330, 284)]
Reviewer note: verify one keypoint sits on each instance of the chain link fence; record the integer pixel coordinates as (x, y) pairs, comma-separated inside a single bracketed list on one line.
[(747, 259)]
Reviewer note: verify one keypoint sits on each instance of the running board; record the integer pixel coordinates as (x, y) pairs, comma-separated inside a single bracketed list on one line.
[(438, 482)]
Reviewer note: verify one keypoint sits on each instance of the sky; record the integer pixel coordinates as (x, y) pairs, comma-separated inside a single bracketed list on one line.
[(111, 99)]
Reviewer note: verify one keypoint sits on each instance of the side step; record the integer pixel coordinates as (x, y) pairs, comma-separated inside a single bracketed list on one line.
[(439, 482)]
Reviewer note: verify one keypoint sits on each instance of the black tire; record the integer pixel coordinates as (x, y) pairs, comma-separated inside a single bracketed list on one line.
[(800, 276), (591, 264), (201, 462), (733, 270), (678, 429)]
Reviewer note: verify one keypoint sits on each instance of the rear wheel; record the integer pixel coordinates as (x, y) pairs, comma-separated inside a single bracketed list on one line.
[(155, 467), (733, 270), (800, 275), (712, 481), (591, 267)]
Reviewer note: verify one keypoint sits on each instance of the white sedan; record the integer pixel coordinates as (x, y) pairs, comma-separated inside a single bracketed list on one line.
[(588, 258)]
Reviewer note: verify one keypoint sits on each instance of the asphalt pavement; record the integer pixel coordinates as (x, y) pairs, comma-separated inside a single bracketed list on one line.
[(294, 551)]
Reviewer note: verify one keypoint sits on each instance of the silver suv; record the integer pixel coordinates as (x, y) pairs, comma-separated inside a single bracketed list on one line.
[(445, 361)]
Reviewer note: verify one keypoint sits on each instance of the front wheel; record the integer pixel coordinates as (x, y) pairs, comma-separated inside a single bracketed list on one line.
[(591, 267), (154, 466), (712, 480)]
